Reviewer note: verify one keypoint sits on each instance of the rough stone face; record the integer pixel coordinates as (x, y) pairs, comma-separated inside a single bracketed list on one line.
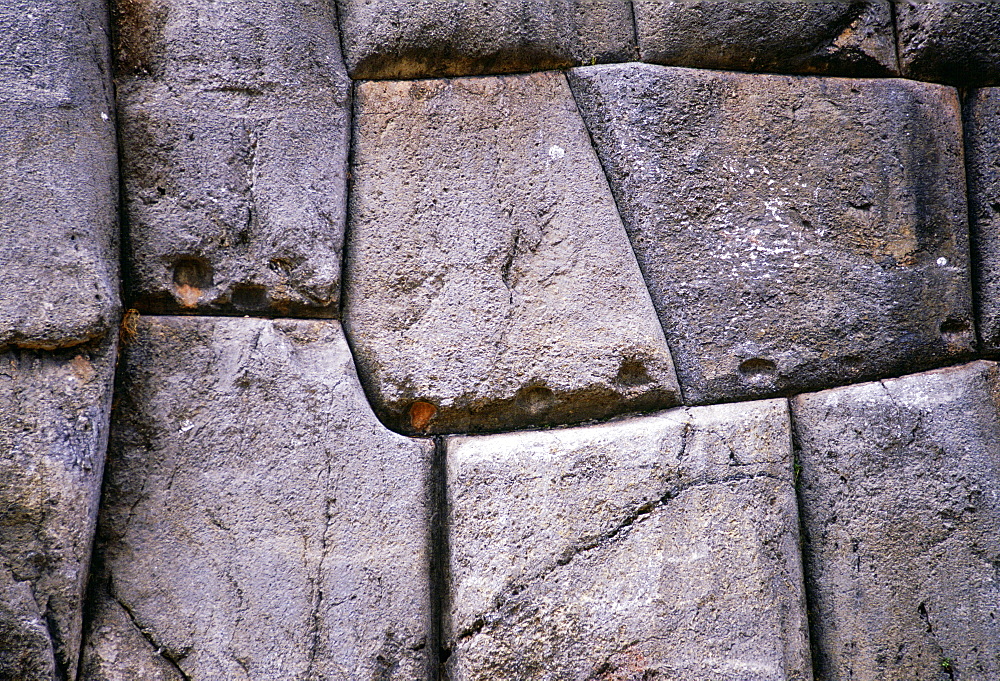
[(234, 126), (795, 232), (661, 547), (982, 156), (836, 38), (117, 651), (54, 412), (900, 505), (950, 42), (489, 278), (258, 520), (427, 38), (58, 175)]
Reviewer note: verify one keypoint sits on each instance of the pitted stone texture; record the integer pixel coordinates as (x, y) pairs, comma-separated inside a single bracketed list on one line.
[(660, 547), (428, 38), (259, 522), (489, 279), (982, 157), (117, 651), (235, 124), (54, 412), (950, 42), (58, 175), (795, 232), (901, 512), (835, 38)]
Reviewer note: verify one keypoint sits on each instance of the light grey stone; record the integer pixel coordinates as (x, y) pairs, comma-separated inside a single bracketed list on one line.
[(258, 520), (54, 413), (796, 232), (424, 38), (835, 38), (900, 494), (950, 42), (982, 157), (58, 175), (662, 547), (117, 651), (235, 124), (489, 280)]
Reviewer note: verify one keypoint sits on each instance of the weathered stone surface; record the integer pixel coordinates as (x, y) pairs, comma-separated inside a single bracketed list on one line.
[(835, 38), (116, 650), (58, 175), (795, 232), (425, 38), (489, 278), (235, 126), (660, 547), (258, 521), (950, 42), (54, 411), (982, 157), (900, 505)]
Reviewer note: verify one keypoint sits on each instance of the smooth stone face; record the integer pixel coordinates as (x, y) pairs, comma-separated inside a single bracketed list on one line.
[(795, 232), (54, 412), (950, 42), (58, 175), (900, 506), (835, 38), (659, 547), (235, 126), (489, 280), (258, 521), (429, 38), (982, 154)]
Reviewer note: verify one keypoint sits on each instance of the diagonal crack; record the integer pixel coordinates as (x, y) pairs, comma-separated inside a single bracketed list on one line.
[(156, 647)]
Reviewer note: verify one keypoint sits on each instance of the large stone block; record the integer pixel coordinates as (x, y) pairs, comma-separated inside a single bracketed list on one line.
[(58, 175), (258, 520), (795, 232), (950, 42), (235, 126), (900, 501), (54, 412), (835, 38), (425, 38), (982, 158), (660, 547), (490, 284)]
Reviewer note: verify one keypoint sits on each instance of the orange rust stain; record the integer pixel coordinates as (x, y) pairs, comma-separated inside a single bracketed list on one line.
[(187, 295), (421, 414)]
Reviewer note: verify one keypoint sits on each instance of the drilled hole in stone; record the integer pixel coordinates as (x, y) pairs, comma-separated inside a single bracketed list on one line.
[(632, 372), (248, 297), (757, 370), (193, 272), (535, 400), (955, 330)]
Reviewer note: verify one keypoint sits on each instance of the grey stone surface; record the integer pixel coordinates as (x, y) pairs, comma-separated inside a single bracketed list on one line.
[(982, 158), (58, 175), (54, 412), (662, 547), (836, 38), (235, 126), (489, 279), (117, 651), (429, 38), (901, 515), (258, 521), (950, 42), (796, 232)]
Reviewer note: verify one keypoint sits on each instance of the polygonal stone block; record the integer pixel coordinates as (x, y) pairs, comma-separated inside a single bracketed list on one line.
[(950, 42)]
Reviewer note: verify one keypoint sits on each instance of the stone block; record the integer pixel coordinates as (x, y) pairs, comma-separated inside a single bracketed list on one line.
[(54, 413), (950, 42), (235, 125), (490, 284), (659, 547), (900, 502), (258, 521), (430, 38), (834, 38), (796, 232), (58, 175)]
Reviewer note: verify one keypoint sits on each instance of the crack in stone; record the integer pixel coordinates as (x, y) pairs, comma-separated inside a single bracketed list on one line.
[(156, 647)]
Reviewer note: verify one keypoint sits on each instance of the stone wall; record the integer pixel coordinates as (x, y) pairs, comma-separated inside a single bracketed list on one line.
[(454, 340)]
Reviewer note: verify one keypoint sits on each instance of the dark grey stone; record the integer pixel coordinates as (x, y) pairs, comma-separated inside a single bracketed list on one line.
[(950, 42), (835, 38), (58, 175), (796, 232), (900, 501)]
